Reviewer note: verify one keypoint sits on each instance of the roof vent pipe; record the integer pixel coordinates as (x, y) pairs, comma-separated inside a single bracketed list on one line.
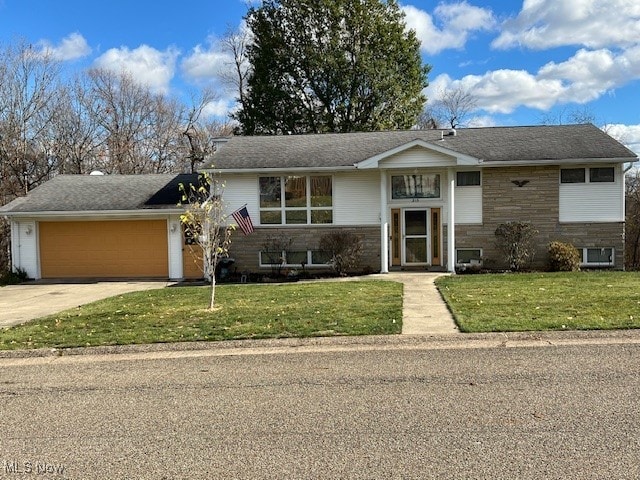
[(441, 135), (452, 132)]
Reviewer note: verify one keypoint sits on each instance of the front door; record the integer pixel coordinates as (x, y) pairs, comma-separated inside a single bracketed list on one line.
[(416, 237)]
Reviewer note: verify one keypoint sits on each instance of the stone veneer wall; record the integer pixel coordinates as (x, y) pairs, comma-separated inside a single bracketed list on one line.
[(245, 248), (536, 202)]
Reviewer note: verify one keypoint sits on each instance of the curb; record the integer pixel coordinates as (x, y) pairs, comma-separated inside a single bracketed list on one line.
[(378, 342)]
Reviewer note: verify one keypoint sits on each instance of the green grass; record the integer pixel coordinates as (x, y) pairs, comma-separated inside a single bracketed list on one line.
[(543, 301), (243, 311)]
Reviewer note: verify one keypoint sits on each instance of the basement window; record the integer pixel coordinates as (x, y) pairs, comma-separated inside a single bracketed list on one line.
[(468, 256), (598, 257), (294, 258)]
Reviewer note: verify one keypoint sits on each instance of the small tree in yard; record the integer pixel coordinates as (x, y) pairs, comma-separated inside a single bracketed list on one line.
[(515, 240), (205, 222), (344, 250)]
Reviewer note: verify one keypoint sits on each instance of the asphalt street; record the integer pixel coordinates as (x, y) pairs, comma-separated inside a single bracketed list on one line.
[(411, 409)]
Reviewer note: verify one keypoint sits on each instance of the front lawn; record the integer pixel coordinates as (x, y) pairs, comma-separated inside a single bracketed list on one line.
[(176, 314), (543, 301)]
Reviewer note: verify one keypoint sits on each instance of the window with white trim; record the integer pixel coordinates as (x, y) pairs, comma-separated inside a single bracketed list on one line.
[(598, 257), (587, 175), (294, 258), (468, 179), (468, 256), (296, 199), (415, 186)]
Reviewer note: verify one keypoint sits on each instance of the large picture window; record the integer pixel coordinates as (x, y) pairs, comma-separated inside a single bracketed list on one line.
[(415, 186), (296, 199)]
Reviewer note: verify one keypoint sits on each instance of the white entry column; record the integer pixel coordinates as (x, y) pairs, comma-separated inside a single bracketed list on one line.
[(451, 224), (384, 224)]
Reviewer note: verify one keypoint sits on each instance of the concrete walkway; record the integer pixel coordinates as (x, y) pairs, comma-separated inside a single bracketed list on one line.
[(423, 309)]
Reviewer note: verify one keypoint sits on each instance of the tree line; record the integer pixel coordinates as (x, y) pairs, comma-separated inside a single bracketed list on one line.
[(96, 120)]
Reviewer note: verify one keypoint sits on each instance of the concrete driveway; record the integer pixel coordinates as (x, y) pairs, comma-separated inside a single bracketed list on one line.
[(19, 303)]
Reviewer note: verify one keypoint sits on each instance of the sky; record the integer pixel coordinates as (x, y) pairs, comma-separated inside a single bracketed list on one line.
[(523, 61)]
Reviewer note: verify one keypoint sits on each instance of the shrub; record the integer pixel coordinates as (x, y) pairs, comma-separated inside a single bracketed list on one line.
[(273, 249), (563, 257), (12, 278), (344, 250), (515, 240)]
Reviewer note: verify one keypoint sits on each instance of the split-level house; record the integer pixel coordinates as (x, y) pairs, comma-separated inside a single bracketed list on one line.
[(418, 199)]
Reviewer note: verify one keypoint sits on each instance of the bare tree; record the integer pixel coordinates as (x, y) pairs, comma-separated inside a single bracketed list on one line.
[(205, 222), (632, 226), (74, 136), (124, 109), (566, 115), (237, 71), (449, 110), (27, 90)]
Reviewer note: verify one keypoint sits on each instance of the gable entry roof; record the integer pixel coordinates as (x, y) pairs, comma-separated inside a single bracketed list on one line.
[(490, 145)]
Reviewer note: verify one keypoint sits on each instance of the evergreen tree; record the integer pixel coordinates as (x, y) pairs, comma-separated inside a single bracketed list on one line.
[(331, 66)]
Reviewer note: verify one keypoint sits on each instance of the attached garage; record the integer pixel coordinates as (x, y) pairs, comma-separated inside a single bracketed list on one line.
[(102, 226), (109, 249)]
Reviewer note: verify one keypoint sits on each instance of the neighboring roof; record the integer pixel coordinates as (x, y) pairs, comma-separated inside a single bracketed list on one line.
[(74, 193), (491, 144)]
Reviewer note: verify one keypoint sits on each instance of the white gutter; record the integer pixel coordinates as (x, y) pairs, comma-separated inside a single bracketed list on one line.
[(562, 161), (96, 213), (279, 169)]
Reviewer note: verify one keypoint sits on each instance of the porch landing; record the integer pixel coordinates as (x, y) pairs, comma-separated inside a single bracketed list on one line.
[(423, 310)]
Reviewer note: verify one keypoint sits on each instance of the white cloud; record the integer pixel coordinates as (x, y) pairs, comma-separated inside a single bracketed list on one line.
[(584, 77), (481, 121), (206, 63), (217, 108), (628, 135), (596, 24), (449, 27), (150, 67), (71, 47)]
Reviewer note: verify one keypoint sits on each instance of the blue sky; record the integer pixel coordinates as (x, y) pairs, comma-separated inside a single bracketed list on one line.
[(522, 60)]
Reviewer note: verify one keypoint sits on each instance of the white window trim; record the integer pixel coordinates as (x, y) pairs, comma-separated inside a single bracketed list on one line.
[(309, 263), (413, 199), (470, 263), (283, 209), (469, 186), (587, 176), (585, 263)]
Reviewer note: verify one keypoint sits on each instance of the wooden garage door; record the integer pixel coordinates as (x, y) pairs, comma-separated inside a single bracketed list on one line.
[(131, 248)]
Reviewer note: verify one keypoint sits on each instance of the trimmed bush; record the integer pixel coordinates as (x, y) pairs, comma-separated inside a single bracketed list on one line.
[(563, 257)]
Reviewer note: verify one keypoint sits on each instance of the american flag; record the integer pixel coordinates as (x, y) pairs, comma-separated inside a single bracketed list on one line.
[(242, 218)]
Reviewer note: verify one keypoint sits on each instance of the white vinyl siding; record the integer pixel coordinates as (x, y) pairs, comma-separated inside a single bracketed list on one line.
[(241, 189), (356, 198), (24, 240), (468, 205), (593, 202), (418, 157)]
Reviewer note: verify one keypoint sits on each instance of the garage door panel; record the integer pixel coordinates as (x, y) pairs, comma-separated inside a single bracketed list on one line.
[(132, 248)]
